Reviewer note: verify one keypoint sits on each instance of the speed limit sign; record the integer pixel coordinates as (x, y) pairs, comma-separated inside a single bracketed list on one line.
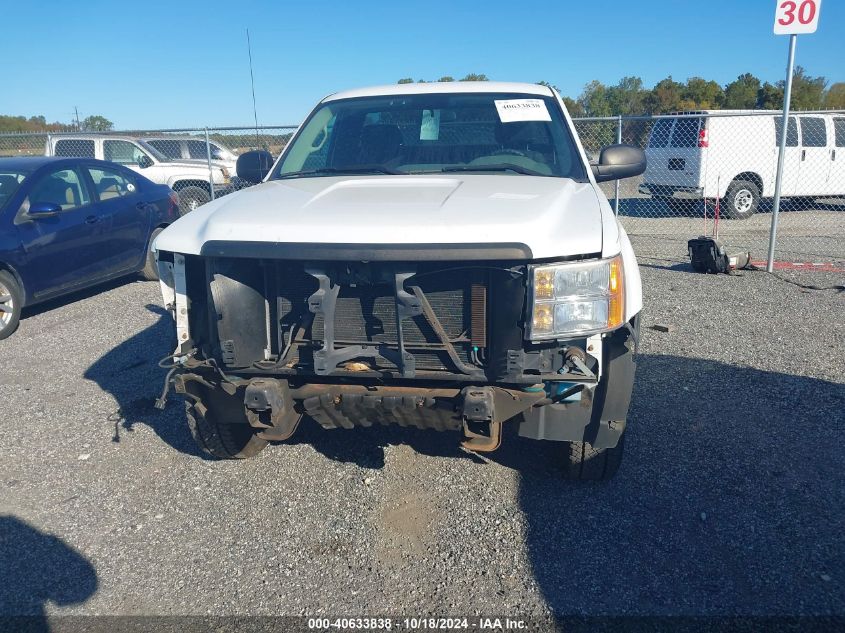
[(796, 17)]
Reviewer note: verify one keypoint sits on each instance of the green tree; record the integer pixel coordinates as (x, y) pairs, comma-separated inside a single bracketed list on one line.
[(807, 91), (834, 98), (573, 107), (446, 79), (664, 97), (701, 94), (627, 97), (475, 77), (742, 93), (770, 97), (405, 80), (594, 100), (97, 123)]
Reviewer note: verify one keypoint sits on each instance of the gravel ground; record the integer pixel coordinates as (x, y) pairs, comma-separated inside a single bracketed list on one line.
[(730, 499)]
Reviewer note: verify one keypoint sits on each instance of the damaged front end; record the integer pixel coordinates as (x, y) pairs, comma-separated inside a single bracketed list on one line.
[(426, 342)]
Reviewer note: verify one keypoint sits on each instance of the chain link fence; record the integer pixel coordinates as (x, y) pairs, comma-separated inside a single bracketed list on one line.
[(714, 172), (708, 172)]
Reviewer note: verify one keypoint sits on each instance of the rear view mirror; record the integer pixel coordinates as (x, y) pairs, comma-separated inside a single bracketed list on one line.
[(255, 165), (144, 161), (40, 210), (619, 161)]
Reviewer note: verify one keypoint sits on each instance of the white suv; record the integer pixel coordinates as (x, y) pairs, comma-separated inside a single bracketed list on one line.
[(190, 179), (430, 255)]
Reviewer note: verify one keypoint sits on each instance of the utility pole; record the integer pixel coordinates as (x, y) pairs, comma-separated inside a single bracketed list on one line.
[(76, 110)]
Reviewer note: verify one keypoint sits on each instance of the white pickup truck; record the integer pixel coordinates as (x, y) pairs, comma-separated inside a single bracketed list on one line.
[(190, 179), (429, 255)]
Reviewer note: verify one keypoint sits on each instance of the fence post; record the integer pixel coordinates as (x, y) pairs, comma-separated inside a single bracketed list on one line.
[(210, 171), (787, 96), (618, 140)]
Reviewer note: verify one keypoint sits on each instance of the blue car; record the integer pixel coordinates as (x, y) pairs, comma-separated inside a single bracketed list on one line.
[(71, 223)]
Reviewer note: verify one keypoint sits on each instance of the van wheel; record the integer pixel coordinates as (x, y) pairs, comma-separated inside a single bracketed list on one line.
[(191, 198), (741, 201), (219, 426), (582, 462), (11, 300), (150, 270)]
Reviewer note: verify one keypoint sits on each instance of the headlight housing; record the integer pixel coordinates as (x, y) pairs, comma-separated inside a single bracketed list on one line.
[(576, 299)]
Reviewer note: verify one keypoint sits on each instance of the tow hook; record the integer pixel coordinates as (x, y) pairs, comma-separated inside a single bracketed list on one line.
[(479, 411), (269, 407)]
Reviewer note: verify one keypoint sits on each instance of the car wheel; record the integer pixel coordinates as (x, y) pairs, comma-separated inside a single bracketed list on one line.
[(582, 462), (150, 270), (741, 200), (11, 302), (219, 426), (191, 198)]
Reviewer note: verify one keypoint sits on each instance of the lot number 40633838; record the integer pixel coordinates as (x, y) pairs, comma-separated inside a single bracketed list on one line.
[(796, 17)]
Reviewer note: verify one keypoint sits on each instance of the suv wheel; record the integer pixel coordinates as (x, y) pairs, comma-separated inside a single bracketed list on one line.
[(219, 426), (191, 198), (742, 200), (583, 462), (11, 300)]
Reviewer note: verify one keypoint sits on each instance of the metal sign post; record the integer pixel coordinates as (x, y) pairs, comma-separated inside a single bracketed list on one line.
[(792, 17), (787, 96)]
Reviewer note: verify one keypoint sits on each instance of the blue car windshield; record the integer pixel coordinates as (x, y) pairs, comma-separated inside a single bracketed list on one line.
[(10, 181), (510, 133)]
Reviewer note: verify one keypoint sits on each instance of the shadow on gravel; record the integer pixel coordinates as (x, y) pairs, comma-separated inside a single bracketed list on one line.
[(36, 568), (80, 295), (365, 446), (130, 373), (729, 500)]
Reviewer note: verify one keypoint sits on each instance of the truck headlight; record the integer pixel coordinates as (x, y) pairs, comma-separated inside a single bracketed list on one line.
[(578, 298)]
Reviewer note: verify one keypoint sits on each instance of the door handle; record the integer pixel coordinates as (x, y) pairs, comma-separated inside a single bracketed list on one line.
[(833, 154), (803, 154), (92, 219)]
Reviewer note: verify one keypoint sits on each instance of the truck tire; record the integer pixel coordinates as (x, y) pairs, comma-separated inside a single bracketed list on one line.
[(11, 302), (150, 270), (232, 439), (191, 198), (582, 462), (741, 201)]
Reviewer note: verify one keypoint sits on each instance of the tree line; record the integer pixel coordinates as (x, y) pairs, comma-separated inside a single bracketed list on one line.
[(630, 96), (93, 123)]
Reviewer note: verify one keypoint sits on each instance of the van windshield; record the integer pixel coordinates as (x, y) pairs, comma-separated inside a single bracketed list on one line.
[(435, 133)]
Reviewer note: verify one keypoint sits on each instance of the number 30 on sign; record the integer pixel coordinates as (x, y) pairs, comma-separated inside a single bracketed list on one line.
[(796, 17)]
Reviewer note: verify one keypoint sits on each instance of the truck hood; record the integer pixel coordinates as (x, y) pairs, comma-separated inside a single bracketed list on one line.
[(550, 217)]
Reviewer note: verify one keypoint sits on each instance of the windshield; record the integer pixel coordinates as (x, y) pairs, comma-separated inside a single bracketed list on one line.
[(10, 180), (155, 153), (435, 133)]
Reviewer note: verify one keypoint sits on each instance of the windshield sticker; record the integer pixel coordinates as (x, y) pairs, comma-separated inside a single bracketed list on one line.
[(512, 110), (430, 128)]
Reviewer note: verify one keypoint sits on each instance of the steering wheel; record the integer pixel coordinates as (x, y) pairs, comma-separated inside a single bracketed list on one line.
[(511, 152)]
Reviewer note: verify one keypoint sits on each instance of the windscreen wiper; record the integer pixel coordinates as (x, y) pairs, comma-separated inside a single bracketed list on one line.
[(497, 167), (358, 169)]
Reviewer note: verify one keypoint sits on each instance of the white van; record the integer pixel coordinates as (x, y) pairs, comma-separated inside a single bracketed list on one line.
[(733, 155)]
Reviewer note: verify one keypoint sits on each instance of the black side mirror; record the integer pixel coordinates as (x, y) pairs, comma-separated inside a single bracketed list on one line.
[(619, 161), (144, 161), (255, 165), (41, 210)]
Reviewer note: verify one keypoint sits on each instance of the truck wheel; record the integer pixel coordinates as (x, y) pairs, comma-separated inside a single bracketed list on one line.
[(11, 300), (582, 462), (191, 198), (150, 270), (741, 200), (217, 432)]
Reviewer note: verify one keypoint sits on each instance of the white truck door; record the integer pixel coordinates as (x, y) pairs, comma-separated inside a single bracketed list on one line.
[(791, 158), (815, 157), (836, 179)]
